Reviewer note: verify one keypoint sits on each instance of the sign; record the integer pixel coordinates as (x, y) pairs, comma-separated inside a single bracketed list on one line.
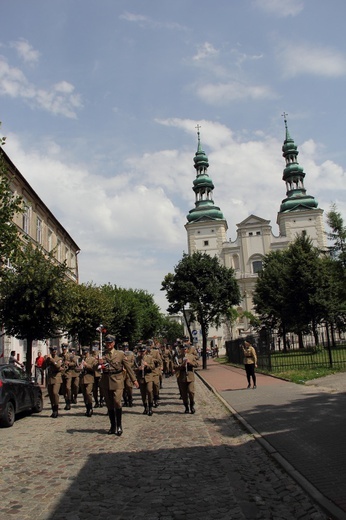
[(194, 333)]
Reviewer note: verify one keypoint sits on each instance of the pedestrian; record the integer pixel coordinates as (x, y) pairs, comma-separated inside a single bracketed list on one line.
[(39, 372), (12, 360), (144, 368), (114, 362), (87, 367), (54, 365), (185, 364), (250, 363)]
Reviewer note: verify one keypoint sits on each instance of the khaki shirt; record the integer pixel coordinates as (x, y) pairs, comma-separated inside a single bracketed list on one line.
[(185, 370), (112, 377)]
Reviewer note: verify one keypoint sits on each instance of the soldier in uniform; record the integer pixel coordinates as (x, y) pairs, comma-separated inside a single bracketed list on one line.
[(87, 367), (114, 362), (185, 363), (54, 365), (144, 366), (155, 354), (128, 385), (71, 376), (167, 361)]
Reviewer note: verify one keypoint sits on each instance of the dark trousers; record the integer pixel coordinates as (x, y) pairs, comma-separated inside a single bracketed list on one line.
[(250, 373)]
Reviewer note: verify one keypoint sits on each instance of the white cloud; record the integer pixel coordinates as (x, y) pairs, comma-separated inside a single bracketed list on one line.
[(280, 8), (25, 51), (224, 93), (204, 51), (296, 59), (61, 99)]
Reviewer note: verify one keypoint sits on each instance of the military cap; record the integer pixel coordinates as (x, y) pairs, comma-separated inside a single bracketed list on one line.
[(53, 348), (85, 349), (109, 339)]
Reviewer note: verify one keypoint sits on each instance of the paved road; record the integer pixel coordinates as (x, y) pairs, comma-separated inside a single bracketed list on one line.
[(303, 426), (169, 466)]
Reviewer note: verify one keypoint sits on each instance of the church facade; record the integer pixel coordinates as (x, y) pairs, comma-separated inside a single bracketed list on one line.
[(207, 228)]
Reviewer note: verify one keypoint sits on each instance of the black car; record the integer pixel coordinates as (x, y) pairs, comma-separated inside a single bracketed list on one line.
[(18, 393)]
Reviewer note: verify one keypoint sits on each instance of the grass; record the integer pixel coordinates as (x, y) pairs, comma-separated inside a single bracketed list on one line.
[(296, 375)]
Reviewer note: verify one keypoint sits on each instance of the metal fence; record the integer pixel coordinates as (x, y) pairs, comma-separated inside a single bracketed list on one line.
[(273, 357)]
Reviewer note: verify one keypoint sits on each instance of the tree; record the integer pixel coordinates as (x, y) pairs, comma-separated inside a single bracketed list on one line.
[(35, 298), (337, 234), (134, 314), (89, 308), (170, 330), (209, 289), (10, 205), (294, 290)]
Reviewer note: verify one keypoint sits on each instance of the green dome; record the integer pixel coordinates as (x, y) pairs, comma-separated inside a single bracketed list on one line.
[(205, 212), (297, 203), (203, 181)]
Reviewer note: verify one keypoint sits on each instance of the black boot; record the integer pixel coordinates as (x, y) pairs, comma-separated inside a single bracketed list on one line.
[(68, 405), (55, 409), (156, 402), (118, 413), (97, 404), (192, 407), (186, 408), (130, 403), (89, 410), (112, 429), (145, 411), (150, 411)]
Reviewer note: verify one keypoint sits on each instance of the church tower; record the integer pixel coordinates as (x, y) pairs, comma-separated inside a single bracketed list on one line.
[(206, 227), (299, 212)]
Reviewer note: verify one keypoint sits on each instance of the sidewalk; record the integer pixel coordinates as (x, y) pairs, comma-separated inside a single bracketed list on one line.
[(302, 426)]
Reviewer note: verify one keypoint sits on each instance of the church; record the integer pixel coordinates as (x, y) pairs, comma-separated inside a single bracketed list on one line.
[(206, 230)]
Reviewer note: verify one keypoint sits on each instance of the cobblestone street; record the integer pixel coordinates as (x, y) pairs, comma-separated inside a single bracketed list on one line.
[(168, 466)]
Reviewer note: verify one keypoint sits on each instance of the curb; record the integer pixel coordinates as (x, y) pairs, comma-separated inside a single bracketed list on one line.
[(325, 504)]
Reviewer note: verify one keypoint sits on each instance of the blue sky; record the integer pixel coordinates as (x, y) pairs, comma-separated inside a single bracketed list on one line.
[(99, 101)]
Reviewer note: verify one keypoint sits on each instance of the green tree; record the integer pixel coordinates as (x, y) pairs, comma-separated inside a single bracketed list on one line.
[(337, 234), (10, 205), (200, 281), (89, 308), (34, 298), (170, 330)]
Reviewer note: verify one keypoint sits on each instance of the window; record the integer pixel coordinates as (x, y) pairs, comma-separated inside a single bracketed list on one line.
[(39, 230), (206, 242), (50, 239), (250, 234), (257, 266), (26, 219), (58, 250), (258, 232)]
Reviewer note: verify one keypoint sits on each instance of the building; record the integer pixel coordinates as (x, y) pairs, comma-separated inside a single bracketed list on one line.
[(207, 228), (38, 225)]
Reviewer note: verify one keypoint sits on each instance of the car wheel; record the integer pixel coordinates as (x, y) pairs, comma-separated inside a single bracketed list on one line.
[(8, 416), (38, 404)]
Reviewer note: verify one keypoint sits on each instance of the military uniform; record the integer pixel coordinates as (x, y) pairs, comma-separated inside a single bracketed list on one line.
[(112, 383), (185, 363), (87, 379), (157, 372), (54, 365), (167, 358), (71, 376), (144, 367), (128, 384)]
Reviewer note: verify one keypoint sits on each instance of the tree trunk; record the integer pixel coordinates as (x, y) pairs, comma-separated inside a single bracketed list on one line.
[(28, 361), (204, 345)]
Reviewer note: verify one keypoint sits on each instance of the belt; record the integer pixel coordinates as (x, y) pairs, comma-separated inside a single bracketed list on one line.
[(113, 372)]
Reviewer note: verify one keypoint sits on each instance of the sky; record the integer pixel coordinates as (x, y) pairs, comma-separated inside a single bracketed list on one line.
[(100, 99)]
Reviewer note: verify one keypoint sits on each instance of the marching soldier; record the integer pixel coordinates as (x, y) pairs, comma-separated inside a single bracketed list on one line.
[(128, 385), (87, 368), (144, 366), (97, 394), (167, 361), (185, 363), (155, 354), (112, 383), (71, 376), (54, 365)]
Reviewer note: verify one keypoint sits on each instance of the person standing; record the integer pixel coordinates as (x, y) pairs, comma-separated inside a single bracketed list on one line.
[(39, 372), (87, 367), (250, 363), (114, 362), (144, 366), (157, 370), (54, 365), (185, 364), (71, 378)]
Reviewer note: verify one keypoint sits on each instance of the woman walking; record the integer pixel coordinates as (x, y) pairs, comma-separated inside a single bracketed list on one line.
[(250, 363)]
